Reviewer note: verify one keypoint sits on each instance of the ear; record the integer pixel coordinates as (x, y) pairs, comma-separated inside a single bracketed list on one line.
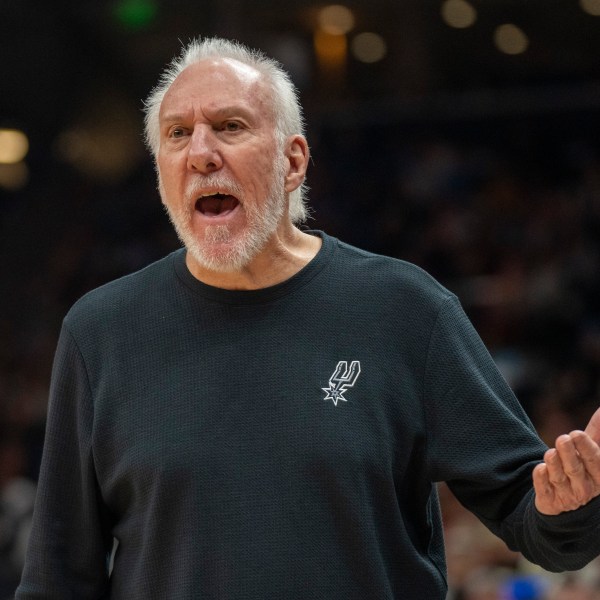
[(298, 154)]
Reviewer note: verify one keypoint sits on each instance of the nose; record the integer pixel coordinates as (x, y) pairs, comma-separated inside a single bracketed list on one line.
[(203, 153)]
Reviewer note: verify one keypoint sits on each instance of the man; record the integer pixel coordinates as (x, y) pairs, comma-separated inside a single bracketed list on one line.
[(265, 413)]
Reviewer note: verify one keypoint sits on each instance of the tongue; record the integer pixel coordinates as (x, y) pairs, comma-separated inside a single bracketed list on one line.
[(212, 206)]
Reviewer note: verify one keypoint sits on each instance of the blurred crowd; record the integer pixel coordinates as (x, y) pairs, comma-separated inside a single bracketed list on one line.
[(505, 215)]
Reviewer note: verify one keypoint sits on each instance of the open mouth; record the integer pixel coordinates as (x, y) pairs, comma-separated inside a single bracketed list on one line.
[(216, 205)]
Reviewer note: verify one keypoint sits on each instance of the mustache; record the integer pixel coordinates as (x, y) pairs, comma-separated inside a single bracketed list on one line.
[(217, 181)]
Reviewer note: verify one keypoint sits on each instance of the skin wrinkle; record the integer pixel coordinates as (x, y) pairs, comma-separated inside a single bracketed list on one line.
[(218, 133)]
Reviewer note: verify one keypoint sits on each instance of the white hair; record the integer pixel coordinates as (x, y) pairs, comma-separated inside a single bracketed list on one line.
[(287, 111)]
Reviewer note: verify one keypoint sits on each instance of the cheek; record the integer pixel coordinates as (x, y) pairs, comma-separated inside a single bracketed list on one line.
[(168, 176), (261, 173), (161, 190)]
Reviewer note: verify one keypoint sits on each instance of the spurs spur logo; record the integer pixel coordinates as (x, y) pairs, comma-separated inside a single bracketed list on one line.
[(342, 379)]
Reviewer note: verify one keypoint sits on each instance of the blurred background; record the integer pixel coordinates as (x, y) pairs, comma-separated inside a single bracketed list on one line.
[(462, 135)]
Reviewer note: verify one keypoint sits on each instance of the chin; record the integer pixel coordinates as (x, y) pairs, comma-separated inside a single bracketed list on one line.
[(226, 248), (225, 253)]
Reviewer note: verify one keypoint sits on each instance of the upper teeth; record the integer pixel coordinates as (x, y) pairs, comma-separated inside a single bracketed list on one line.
[(212, 194)]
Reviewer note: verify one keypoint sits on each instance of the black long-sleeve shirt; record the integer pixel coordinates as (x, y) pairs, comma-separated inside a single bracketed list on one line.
[(279, 443)]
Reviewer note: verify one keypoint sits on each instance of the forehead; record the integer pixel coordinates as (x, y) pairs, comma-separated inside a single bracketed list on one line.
[(214, 83)]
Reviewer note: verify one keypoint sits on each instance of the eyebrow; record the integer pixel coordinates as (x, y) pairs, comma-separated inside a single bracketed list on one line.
[(221, 112), (172, 118), (232, 109)]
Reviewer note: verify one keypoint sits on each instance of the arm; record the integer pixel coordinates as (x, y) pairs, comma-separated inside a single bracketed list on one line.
[(70, 540), (481, 442)]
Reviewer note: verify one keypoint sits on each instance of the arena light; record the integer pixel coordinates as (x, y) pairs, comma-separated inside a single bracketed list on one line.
[(331, 49), (592, 7), (458, 13), (135, 14), (336, 19), (14, 177), (368, 47), (14, 146), (511, 39)]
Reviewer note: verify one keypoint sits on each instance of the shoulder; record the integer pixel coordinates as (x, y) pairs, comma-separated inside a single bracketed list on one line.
[(392, 278), (124, 298)]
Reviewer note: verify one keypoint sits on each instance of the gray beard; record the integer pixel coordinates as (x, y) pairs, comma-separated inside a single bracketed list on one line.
[(221, 250)]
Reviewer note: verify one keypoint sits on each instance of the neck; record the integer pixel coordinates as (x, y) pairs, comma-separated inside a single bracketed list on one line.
[(286, 253)]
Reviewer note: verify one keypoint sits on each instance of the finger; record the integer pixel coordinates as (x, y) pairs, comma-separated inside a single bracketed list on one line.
[(556, 474), (573, 467), (589, 452), (545, 497), (593, 427), (559, 479)]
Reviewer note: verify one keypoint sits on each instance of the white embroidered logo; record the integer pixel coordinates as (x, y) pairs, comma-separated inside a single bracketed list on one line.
[(342, 379)]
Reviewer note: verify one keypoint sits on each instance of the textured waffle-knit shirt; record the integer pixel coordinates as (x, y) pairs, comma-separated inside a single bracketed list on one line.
[(281, 443)]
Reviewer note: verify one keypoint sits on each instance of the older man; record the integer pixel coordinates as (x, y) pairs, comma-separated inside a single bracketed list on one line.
[(264, 413)]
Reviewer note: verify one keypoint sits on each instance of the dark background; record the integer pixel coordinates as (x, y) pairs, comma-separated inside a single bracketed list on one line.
[(480, 166)]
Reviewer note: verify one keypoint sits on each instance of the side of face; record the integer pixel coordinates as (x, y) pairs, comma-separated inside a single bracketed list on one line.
[(223, 176)]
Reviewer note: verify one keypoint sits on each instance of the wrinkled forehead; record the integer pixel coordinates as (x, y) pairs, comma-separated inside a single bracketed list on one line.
[(221, 76)]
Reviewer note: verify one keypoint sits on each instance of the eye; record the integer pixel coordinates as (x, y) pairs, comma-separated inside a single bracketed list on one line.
[(177, 132), (231, 126)]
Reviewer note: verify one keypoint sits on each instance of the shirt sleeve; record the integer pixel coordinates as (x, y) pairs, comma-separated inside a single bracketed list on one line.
[(481, 442), (70, 541)]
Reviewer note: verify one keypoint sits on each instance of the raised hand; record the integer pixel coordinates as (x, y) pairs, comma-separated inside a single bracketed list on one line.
[(569, 477)]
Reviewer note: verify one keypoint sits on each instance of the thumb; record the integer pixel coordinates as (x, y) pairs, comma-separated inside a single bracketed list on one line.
[(593, 427)]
